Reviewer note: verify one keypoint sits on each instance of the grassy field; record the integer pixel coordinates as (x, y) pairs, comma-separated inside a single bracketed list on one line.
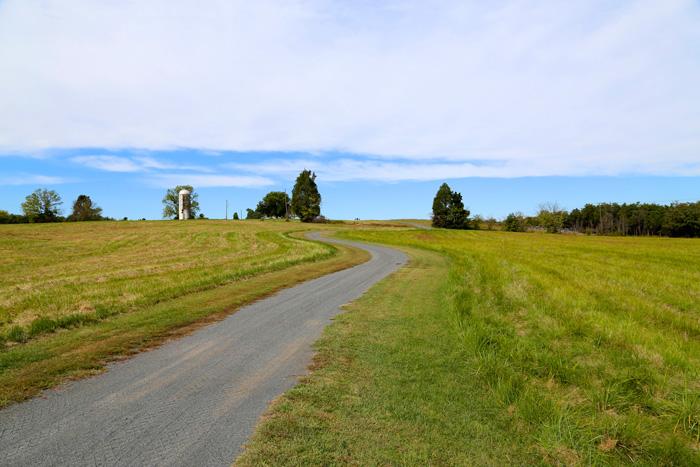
[(73, 296), (497, 347)]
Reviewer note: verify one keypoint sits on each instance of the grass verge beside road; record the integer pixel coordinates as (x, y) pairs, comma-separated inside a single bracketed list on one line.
[(388, 387), (502, 348), (52, 357)]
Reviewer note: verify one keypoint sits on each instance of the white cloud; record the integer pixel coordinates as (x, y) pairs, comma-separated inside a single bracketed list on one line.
[(147, 162), (132, 164), (31, 179), (205, 181), (537, 87), (108, 163)]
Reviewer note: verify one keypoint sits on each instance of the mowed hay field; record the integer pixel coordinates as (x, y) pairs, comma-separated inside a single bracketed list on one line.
[(75, 294), (514, 349), (64, 271)]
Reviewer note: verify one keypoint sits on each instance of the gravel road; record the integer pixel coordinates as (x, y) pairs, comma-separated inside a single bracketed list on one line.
[(192, 401)]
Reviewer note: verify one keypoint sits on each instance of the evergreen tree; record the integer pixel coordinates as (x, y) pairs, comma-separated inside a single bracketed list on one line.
[(448, 209), (306, 200), (85, 210)]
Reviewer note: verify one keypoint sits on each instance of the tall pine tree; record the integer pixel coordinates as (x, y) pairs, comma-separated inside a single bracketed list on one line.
[(448, 209), (306, 200)]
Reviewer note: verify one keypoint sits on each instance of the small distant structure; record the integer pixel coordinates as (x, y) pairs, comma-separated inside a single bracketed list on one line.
[(183, 199)]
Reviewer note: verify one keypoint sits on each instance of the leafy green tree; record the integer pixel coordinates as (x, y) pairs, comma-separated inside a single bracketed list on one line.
[(252, 214), (85, 210), (235, 216), (274, 204), (448, 209), (306, 200), (552, 217), (171, 202), (42, 206), (514, 222)]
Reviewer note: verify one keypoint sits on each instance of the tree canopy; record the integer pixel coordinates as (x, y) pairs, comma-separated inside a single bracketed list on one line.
[(274, 204), (448, 209), (85, 210), (42, 206), (252, 214), (170, 202), (306, 200), (674, 220)]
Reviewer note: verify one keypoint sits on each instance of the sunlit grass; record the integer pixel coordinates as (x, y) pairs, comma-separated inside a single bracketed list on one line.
[(51, 272), (164, 281), (495, 348), (591, 344)]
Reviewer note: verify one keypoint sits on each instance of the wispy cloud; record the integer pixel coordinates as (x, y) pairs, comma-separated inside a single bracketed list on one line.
[(132, 164), (204, 181), (577, 87), (33, 179), (378, 170), (108, 163)]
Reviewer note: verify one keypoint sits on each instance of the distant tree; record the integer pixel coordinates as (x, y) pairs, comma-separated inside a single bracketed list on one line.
[(202, 216), (514, 222), (235, 216), (9, 218), (306, 200), (448, 209), (171, 202), (274, 204), (551, 217), (252, 214), (42, 206), (682, 220), (441, 205), (85, 210)]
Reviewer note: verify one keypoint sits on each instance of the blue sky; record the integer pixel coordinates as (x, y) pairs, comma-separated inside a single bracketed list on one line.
[(132, 183), (513, 102)]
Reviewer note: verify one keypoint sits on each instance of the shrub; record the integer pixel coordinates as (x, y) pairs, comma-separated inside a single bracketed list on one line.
[(514, 222)]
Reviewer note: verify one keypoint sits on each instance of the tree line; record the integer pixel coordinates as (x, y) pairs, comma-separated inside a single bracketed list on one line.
[(305, 202), (672, 220), (44, 205)]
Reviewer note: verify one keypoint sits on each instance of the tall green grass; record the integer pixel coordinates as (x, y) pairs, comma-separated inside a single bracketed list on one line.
[(590, 344)]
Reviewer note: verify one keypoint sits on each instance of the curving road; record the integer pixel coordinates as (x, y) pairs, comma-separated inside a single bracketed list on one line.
[(193, 401)]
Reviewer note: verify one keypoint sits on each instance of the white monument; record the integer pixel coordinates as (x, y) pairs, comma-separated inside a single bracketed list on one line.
[(183, 210)]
